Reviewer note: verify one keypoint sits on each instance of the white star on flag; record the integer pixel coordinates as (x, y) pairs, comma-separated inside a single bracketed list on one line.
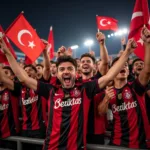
[(31, 44), (140, 41), (109, 22)]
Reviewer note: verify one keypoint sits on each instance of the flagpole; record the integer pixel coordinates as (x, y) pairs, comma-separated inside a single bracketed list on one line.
[(98, 30)]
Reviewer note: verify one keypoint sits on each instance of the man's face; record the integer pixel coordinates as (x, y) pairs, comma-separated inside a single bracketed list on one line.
[(39, 71), (66, 74), (78, 62), (8, 74), (87, 65), (137, 67), (53, 69), (123, 74), (31, 72)]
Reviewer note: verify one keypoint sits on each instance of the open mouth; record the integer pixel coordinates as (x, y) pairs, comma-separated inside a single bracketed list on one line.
[(67, 80), (85, 67), (123, 71), (139, 69)]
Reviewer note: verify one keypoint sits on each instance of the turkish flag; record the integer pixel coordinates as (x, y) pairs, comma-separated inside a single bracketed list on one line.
[(140, 17), (106, 23), (51, 42), (3, 58), (25, 37)]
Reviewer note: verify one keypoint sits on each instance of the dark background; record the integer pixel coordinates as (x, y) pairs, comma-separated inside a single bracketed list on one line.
[(73, 21)]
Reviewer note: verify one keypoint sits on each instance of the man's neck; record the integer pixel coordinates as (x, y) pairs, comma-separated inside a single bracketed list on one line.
[(120, 83), (85, 77)]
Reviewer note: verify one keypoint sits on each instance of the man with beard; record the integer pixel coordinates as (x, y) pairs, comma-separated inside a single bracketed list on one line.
[(69, 101), (126, 100), (96, 123), (9, 110)]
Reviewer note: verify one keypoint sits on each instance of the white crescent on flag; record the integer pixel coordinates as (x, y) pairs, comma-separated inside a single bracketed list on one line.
[(102, 24), (21, 33)]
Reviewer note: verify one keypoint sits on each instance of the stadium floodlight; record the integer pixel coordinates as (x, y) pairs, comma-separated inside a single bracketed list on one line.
[(116, 33), (119, 33), (125, 31), (74, 47), (88, 43)]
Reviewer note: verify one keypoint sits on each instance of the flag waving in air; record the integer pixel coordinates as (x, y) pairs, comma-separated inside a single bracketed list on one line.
[(3, 58), (25, 37), (51, 42), (140, 17), (106, 23)]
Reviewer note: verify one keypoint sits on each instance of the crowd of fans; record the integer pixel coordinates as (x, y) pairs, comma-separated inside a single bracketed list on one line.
[(74, 101)]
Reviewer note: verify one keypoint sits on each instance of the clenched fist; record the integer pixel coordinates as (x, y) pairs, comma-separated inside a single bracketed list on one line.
[(131, 45), (145, 35), (100, 37)]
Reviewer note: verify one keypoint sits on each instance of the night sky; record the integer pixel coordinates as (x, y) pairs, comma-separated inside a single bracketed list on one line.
[(73, 21)]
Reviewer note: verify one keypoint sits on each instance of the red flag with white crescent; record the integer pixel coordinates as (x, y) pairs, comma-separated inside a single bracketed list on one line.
[(140, 17), (51, 42), (106, 23), (25, 37)]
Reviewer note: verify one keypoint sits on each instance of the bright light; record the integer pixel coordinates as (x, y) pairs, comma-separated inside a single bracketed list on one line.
[(120, 32), (88, 43), (125, 31), (116, 33), (74, 47)]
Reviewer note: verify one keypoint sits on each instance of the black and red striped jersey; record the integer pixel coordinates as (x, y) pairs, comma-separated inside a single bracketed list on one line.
[(33, 107), (68, 114), (130, 121), (9, 114)]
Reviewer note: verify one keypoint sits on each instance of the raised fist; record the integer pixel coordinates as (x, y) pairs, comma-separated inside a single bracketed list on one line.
[(131, 45), (100, 37), (145, 35)]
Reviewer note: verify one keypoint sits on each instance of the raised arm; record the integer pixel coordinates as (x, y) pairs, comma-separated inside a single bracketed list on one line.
[(115, 69), (46, 69), (6, 81), (103, 67), (144, 75), (18, 71)]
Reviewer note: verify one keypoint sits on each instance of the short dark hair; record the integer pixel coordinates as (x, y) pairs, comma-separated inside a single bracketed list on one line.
[(135, 60), (115, 60), (8, 68), (64, 58), (53, 62), (29, 65), (90, 56), (40, 65)]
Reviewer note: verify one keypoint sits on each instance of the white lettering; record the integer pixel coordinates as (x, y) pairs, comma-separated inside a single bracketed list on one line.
[(123, 107), (4, 106), (69, 102), (29, 100)]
